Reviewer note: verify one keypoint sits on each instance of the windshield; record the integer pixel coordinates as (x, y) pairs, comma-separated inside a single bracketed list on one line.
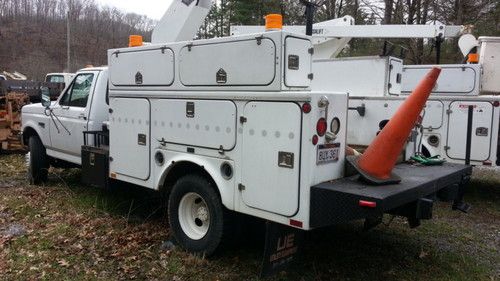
[(54, 79)]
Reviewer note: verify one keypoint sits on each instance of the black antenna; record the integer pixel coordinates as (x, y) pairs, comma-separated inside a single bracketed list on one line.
[(310, 8)]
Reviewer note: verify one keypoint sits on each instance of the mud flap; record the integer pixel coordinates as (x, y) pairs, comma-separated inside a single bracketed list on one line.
[(282, 248)]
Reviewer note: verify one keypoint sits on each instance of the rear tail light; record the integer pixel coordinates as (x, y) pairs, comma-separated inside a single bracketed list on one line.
[(321, 127), (306, 107)]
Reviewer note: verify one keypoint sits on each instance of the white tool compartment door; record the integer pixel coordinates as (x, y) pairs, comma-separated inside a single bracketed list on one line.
[(453, 80), (200, 123), (134, 68), (433, 116), (238, 63), (481, 130), (130, 137), (271, 156), (298, 62), (395, 76)]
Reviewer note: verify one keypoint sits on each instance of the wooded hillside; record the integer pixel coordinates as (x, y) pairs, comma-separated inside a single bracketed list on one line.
[(33, 32)]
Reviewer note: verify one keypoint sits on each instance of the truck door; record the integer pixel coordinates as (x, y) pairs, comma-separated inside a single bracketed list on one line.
[(130, 139), (482, 126), (72, 110), (271, 156)]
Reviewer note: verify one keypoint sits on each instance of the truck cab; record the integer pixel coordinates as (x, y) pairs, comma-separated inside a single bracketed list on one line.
[(63, 77), (56, 131)]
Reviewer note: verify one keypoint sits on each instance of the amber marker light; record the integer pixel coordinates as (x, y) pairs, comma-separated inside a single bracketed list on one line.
[(274, 22), (135, 41)]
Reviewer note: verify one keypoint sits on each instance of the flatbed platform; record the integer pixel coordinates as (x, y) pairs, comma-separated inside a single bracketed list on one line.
[(339, 201)]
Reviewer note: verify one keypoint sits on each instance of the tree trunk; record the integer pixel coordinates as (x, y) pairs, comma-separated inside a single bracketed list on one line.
[(388, 11)]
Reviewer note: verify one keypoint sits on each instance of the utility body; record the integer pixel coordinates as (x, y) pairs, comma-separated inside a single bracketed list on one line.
[(222, 125)]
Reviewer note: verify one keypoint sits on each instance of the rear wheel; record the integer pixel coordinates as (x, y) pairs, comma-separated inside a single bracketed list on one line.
[(196, 215), (38, 161)]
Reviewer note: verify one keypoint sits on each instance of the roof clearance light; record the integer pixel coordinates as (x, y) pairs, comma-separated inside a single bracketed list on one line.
[(135, 41), (274, 22)]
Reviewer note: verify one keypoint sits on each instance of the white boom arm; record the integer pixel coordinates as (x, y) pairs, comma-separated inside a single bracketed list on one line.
[(330, 37), (182, 21)]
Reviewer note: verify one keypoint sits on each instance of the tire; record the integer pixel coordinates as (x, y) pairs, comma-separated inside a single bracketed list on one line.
[(196, 215), (38, 163)]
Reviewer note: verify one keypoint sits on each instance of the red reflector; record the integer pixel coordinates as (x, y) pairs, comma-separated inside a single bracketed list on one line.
[(368, 204), (306, 107), (487, 163), (321, 127), (296, 223), (496, 103), (315, 140)]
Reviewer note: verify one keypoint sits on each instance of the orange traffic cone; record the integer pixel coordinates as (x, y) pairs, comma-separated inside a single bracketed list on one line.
[(376, 164)]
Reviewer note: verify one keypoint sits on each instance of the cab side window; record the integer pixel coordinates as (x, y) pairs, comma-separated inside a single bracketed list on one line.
[(78, 93)]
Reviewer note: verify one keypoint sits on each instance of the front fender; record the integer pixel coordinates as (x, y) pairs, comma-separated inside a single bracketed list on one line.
[(212, 166), (39, 125)]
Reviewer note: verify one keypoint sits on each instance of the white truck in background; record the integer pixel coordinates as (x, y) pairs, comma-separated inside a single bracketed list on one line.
[(3, 78), (58, 132), (443, 129), (226, 125), (59, 77)]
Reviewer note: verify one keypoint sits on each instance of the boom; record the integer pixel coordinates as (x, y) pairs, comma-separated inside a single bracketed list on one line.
[(330, 37), (182, 21)]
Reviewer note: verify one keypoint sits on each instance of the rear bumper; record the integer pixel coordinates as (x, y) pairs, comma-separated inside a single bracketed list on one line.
[(339, 201)]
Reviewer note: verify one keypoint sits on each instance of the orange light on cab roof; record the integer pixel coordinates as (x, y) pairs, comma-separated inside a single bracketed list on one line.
[(274, 21), (135, 41)]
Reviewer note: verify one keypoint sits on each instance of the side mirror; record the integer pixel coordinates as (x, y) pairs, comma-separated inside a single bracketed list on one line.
[(45, 97)]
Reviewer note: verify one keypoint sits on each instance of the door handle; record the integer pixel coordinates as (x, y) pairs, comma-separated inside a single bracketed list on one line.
[(82, 116)]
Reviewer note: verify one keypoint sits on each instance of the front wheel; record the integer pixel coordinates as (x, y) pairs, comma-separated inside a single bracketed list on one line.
[(196, 215), (38, 161)]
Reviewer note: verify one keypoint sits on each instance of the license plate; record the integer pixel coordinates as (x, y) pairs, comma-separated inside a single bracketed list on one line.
[(328, 153)]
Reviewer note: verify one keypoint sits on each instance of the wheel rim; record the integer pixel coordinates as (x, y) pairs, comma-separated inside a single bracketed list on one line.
[(194, 216)]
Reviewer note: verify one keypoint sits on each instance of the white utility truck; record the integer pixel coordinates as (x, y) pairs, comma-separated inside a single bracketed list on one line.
[(378, 85), (223, 125)]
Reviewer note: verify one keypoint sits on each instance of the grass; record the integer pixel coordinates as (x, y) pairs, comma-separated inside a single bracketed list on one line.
[(75, 232)]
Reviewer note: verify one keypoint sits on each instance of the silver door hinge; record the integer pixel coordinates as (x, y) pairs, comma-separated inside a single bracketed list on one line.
[(243, 119), (311, 51), (310, 76), (447, 148), (449, 111), (241, 187)]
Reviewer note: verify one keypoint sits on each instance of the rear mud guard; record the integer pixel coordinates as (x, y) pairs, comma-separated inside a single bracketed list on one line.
[(282, 248)]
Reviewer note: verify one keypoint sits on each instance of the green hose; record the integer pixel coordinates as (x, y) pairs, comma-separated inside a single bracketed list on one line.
[(428, 161)]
